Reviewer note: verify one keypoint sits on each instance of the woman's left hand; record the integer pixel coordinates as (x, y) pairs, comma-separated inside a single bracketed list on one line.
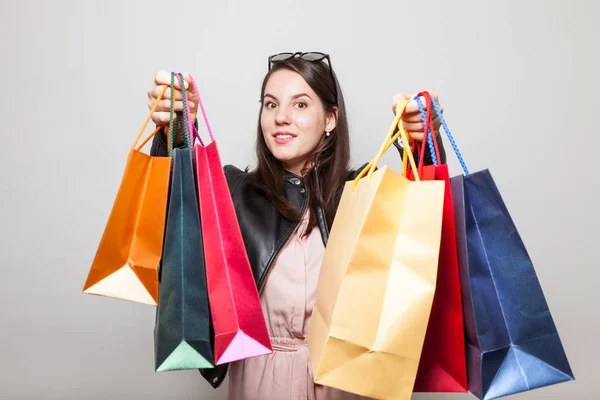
[(411, 118)]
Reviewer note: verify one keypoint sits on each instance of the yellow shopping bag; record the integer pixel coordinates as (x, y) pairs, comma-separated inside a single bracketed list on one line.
[(377, 281)]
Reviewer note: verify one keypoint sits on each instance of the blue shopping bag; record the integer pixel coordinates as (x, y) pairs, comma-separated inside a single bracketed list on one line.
[(511, 340)]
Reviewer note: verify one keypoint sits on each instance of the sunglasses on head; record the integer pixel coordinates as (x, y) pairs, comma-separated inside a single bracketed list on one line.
[(312, 56)]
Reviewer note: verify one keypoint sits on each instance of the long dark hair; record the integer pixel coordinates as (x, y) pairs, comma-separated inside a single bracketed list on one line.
[(327, 167)]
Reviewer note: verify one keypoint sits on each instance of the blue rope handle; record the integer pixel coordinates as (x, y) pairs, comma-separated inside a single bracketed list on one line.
[(449, 134), (429, 138)]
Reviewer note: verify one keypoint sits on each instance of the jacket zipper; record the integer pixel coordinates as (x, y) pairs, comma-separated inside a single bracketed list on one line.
[(215, 379), (265, 275)]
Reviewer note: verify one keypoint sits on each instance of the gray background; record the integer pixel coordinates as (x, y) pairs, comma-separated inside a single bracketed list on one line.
[(518, 80)]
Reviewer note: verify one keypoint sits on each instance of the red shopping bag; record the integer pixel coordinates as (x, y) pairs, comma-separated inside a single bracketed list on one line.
[(239, 324), (442, 367)]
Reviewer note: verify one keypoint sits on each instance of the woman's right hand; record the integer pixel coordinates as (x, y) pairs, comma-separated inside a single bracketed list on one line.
[(161, 115)]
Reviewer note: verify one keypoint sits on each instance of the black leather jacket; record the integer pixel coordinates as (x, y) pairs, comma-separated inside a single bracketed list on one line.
[(264, 230)]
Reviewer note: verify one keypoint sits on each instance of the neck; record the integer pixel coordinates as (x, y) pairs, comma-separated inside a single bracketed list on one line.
[(297, 169)]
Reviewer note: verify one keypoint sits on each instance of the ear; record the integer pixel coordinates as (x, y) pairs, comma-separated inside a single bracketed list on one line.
[(331, 120)]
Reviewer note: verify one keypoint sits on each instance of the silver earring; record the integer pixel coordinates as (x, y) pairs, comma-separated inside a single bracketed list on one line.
[(327, 134)]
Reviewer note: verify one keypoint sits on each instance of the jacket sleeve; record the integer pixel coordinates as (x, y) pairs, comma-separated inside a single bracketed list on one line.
[(215, 376), (160, 146)]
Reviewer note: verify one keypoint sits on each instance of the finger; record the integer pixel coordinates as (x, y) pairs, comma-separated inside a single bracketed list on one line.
[(416, 135), (165, 105), (167, 95), (191, 98), (161, 118), (164, 78), (151, 100), (437, 100), (191, 93), (415, 115), (436, 124), (413, 107), (413, 127), (412, 117), (155, 92), (188, 80), (396, 99)]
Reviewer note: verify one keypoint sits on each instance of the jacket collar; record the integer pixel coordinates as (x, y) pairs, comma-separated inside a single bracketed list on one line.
[(297, 180), (293, 179)]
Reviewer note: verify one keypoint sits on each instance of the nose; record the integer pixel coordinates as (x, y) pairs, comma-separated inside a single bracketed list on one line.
[(282, 116)]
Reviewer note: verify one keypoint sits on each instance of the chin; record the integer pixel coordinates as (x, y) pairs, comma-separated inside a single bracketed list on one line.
[(284, 157), (284, 154)]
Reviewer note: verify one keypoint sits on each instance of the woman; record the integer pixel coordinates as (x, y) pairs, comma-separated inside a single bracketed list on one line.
[(285, 208)]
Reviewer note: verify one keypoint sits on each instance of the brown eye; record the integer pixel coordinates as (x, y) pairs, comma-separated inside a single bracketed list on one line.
[(301, 105), (270, 104)]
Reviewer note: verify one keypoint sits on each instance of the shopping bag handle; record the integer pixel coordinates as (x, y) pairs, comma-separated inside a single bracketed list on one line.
[(188, 134), (145, 124), (390, 138), (170, 130), (203, 111), (428, 129), (415, 146), (436, 107), (419, 146), (408, 156)]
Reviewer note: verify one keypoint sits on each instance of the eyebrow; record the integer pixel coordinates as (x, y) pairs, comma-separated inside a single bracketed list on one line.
[(293, 97)]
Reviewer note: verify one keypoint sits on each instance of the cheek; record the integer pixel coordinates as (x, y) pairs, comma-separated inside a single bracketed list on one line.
[(263, 121), (265, 126), (311, 125)]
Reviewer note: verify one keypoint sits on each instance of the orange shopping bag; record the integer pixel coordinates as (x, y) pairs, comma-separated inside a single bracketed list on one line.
[(126, 262)]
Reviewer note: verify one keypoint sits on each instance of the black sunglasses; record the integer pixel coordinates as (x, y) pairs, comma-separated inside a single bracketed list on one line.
[(312, 56)]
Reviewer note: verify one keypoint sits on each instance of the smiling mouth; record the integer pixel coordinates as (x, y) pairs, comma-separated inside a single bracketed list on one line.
[(283, 138), (283, 135)]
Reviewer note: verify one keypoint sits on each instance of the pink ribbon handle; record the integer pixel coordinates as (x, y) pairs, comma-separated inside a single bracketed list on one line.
[(201, 107)]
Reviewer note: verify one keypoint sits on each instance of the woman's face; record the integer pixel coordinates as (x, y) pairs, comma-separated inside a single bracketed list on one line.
[(293, 120)]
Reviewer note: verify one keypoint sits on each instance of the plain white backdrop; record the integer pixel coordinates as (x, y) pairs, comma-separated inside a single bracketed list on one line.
[(518, 81)]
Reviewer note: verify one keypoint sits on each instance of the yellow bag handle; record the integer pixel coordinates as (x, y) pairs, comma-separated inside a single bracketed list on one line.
[(405, 157), (388, 142)]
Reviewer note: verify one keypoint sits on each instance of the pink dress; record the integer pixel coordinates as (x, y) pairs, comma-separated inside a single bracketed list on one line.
[(287, 301)]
